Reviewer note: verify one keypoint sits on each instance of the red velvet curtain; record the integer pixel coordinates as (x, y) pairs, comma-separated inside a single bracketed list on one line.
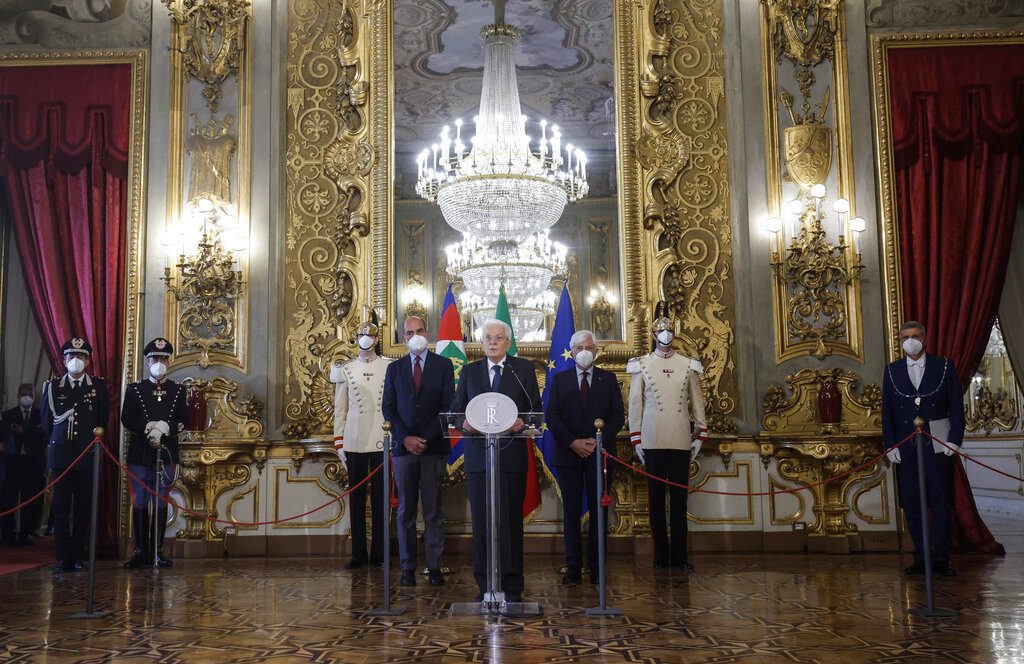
[(957, 116), (64, 137)]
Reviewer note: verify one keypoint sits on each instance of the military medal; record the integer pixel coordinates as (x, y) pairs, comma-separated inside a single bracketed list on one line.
[(917, 400), (159, 392)]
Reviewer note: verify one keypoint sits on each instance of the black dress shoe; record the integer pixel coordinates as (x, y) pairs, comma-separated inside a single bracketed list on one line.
[(436, 578), (683, 566), (944, 570), (479, 597), (137, 560), (163, 562), (571, 577), (75, 567), (58, 568), (916, 569), (408, 578), (660, 565), (354, 564), (513, 597)]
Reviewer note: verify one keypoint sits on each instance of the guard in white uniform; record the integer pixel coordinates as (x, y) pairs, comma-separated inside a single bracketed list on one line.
[(358, 434), (667, 428)]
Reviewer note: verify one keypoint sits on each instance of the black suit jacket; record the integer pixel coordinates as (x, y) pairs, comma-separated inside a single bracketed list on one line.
[(91, 404), (568, 418), (475, 380), (141, 407), (413, 414), (32, 439), (941, 397)]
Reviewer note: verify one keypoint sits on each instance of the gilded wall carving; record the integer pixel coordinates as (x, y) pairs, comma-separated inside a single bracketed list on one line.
[(683, 154), (802, 40)]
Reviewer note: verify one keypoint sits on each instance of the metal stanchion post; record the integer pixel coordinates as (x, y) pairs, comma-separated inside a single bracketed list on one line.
[(156, 506), (922, 493), (601, 609), (90, 612), (385, 524)]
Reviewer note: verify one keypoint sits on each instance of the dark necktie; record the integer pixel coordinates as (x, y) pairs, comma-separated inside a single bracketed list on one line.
[(77, 384), (584, 388), (417, 374), (497, 377), (25, 415)]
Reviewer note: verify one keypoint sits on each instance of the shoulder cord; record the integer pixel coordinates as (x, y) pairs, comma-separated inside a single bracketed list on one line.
[(945, 365)]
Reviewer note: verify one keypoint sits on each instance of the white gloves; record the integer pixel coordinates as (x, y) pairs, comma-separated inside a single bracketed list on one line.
[(639, 453), (155, 431), (893, 455), (695, 448), (339, 447), (949, 449)]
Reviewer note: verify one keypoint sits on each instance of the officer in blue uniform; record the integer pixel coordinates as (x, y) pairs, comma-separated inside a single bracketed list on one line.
[(154, 413), (926, 386), (72, 406)]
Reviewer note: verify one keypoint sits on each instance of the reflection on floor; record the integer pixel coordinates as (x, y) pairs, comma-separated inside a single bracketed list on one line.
[(735, 608)]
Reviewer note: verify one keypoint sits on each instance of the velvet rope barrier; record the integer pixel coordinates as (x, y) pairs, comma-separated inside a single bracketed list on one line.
[(840, 476), (49, 486), (206, 517), (972, 459)]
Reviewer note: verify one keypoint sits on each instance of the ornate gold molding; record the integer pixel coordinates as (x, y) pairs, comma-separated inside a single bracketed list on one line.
[(329, 520), (748, 486), (880, 46), (684, 158), (211, 43), (212, 39), (799, 413), (807, 33), (139, 121)]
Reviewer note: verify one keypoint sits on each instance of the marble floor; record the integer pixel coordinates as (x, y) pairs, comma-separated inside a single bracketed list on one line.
[(735, 608)]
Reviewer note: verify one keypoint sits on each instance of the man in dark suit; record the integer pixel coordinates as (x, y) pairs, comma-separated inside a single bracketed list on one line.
[(71, 408), (25, 456), (515, 378), (154, 413), (577, 397), (417, 389), (926, 386)]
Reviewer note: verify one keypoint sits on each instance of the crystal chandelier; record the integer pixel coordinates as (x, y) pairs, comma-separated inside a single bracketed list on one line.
[(501, 187), (526, 269)]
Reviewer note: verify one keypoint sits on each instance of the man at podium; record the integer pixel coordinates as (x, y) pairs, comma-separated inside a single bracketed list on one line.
[(515, 378)]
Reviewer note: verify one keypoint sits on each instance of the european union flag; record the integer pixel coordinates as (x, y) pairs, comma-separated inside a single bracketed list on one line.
[(559, 359)]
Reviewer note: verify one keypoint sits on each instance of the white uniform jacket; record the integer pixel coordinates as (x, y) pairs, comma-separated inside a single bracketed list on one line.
[(663, 393), (358, 391)]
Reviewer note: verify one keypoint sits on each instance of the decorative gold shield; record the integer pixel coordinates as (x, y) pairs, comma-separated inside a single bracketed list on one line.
[(808, 153)]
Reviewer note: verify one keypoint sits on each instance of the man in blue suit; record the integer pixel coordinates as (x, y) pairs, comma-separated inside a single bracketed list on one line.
[(577, 397), (417, 389), (515, 378), (926, 386)]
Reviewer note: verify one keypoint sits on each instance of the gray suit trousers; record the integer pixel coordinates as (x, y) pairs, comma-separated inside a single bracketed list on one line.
[(418, 478)]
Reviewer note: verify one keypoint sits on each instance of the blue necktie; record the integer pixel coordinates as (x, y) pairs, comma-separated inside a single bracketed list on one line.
[(497, 377)]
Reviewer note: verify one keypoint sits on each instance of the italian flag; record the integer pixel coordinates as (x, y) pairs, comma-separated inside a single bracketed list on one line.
[(451, 344)]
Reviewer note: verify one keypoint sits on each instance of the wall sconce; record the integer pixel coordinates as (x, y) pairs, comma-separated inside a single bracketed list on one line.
[(813, 269), (207, 279), (415, 301), (602, 309)]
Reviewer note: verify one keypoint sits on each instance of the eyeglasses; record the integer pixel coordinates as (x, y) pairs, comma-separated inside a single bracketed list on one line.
[(497, 337)]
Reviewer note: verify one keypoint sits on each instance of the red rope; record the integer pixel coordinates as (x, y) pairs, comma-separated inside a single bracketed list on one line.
[(970, 458), (864, 465), (51, 484), (200, 515)]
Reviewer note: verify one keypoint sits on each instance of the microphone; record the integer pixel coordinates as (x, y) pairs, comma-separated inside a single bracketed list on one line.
[(534, 431)]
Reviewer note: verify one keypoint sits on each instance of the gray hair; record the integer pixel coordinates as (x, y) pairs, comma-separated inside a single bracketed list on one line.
[(27, 386), (913, 325), (580, 336), (494, 321)]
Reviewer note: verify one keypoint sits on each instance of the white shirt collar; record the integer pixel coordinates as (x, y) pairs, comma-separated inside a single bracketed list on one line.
[(919, 362), (579, 371), (491, 364), (422, 356)]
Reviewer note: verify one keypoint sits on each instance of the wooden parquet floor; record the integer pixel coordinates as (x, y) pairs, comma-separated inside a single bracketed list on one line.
[(734, 608)]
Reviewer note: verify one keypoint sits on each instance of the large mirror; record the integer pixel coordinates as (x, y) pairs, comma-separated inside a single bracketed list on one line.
[(492, 190)]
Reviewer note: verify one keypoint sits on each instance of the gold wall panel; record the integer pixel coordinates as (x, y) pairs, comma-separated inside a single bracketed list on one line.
[(192, 22), (821, 37), (747, 480), (674, 188), (880, 46)]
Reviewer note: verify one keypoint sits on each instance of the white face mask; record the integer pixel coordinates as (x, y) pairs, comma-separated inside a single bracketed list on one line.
[(417, 343), (26, 401), (585, 359), (337, 373), (158, 370), (366, 342), (912, 346), (75, 365), (665, 337)]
